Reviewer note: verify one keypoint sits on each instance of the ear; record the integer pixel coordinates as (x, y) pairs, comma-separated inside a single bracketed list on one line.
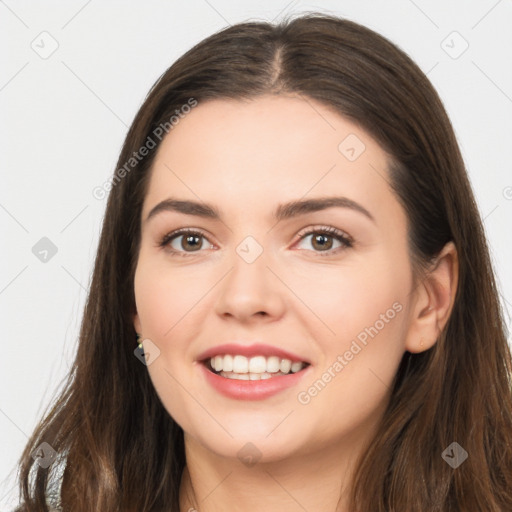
[(434, 299)]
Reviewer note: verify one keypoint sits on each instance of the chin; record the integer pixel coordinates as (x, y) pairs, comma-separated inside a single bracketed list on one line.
[(262, 441)]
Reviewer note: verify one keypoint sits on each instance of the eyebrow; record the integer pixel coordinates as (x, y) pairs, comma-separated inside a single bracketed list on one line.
[(282, 212)]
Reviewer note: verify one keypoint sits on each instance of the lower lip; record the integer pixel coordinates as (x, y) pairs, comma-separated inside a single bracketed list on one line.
[(252, 389)]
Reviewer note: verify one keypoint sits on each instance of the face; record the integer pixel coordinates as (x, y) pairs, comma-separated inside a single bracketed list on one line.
[(326, 284)]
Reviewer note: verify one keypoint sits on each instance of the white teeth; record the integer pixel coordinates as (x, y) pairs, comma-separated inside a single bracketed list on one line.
[(218, 363), (296, 367), (248, 376), (256, 365), (286, 365), (240, 364), (227, 365), (273, 364)]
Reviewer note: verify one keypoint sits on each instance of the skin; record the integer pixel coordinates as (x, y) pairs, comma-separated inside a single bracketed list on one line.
[(247, 157)]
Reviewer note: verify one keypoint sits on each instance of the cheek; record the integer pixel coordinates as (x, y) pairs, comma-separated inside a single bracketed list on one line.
[(351, 385), (365, 308), (363, 312), (162, 303), (169, 305), (349, 298), (165, 298)]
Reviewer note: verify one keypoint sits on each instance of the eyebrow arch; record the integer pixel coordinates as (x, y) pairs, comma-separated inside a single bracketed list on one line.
[(283, 211)]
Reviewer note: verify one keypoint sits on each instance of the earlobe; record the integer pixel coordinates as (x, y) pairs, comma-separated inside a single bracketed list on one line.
[(434, 301), (136, 323)]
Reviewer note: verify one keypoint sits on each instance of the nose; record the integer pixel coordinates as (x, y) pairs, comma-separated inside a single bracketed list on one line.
[(250, 291)]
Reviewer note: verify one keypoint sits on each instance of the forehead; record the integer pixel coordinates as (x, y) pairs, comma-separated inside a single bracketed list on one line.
[(310, 128), (267, 150)]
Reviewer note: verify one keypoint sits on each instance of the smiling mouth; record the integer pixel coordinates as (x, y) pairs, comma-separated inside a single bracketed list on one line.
[(239, 367)]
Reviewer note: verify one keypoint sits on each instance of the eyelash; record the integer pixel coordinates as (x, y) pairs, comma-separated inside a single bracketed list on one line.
[(346, 240)]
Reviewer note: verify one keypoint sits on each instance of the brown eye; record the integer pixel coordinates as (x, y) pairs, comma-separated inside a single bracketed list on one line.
[(190, 241), (184, 242), (323, 240)]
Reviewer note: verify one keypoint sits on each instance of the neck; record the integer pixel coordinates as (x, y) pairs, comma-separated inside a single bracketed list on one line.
[(316, 482)]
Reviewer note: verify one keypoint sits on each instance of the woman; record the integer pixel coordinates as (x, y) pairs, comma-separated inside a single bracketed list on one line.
[(292, 305)]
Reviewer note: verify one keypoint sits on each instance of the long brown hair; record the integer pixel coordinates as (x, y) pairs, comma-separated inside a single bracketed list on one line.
[(123, 452)]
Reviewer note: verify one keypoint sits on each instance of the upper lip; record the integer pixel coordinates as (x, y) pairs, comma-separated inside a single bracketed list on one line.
[(256, 349)]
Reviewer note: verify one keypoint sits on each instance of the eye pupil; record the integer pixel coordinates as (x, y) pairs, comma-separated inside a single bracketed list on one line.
[(190, 240), (321, 239)]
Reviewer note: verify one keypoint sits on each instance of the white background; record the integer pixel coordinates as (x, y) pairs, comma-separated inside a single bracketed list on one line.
[(64, 118)]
